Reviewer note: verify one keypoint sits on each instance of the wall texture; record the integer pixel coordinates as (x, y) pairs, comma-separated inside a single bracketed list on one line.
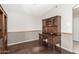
[(24, 36), (76, 28), (65, 11), (67, 41), (22, 27), (18, 21)]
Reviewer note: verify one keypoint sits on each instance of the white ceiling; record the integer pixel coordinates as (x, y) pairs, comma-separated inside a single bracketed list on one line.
[(30, 9), (37, 10)]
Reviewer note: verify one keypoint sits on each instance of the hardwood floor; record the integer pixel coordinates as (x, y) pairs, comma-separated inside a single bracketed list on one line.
[(33, 47)]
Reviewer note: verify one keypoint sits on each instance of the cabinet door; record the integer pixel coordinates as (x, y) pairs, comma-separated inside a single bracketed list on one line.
[(5, 25), (45, 29), (0, 25), (48, 23), (44, 23), (1, 44), (53, 21), (56, 39), (1, 40), (52, 29), (5, 32)]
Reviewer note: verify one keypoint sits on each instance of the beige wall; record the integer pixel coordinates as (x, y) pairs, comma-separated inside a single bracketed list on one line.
[(21, 22), (24, 36), (18, 20), (65, 11), (66, 41)]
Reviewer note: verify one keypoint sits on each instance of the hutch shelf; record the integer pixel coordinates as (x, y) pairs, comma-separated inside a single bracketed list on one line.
[(51, 32)]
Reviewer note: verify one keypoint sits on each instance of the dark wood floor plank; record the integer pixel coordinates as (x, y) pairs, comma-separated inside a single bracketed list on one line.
[(34, 47)]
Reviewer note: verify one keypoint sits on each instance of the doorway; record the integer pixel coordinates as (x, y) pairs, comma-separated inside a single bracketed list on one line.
[(76, 29)]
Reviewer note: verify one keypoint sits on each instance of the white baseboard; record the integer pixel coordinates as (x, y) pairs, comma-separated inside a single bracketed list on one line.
[(23, 30), (65, 48), (37, 39), (21, 42)]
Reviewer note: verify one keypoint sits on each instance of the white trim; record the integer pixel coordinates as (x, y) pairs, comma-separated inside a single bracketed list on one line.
[(37, 39), (66, 33), (65, 48), (22, 30), (21, 42)]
